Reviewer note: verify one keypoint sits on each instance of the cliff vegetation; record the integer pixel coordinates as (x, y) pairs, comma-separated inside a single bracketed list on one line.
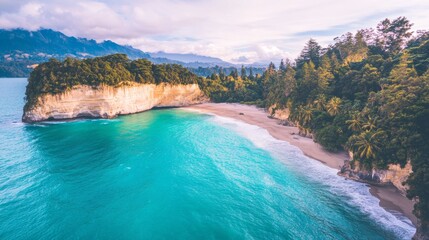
[(56, 77)]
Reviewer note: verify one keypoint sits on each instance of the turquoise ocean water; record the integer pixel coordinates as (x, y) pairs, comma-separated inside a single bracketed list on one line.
[(171, 174)]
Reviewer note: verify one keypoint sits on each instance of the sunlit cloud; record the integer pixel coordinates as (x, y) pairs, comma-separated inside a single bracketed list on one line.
[(239, 31)]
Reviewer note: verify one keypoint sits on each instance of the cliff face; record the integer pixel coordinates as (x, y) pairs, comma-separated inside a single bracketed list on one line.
[(394, 174), (107, 102)]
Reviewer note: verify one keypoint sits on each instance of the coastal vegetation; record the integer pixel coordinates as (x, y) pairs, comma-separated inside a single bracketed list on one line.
[(55, 76), (367, 93)]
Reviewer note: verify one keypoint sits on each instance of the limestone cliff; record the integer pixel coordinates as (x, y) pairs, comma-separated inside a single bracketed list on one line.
[(394, 174), (107, 101)]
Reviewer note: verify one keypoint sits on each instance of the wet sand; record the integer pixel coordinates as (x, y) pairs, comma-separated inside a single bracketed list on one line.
[(392, 200)]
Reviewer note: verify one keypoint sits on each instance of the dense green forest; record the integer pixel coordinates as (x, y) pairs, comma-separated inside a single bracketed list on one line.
[(367, 93), (15, 68), (209, 71)]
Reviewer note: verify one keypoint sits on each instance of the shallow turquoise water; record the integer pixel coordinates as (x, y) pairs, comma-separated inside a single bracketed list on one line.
[(171, 174)]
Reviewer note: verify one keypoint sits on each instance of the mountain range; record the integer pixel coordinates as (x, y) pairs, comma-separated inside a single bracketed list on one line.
[(21, 50)]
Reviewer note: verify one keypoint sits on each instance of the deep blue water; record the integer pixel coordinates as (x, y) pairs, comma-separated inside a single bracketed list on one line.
[(171, 174)]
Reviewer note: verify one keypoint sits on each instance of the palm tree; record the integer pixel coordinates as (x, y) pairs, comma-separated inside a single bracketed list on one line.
[(366, 145), (370, 124), (320, 102), (355, 123), (303, 131), (306, 114), (302, 115), (333, 106), (295, 114), (289, 102)]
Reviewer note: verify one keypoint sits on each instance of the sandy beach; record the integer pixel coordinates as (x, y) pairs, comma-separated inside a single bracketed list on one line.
[(390, 197)]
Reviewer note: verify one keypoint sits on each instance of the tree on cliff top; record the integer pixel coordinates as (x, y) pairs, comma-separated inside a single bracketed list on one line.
[(56, 77)]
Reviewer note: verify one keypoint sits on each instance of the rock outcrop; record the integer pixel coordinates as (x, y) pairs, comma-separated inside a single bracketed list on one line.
[(107, 101), (394, 174), (279, 113)]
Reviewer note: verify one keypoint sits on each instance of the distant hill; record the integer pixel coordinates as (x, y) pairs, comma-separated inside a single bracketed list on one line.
[(21, 50), (22, 44), (189, 58)]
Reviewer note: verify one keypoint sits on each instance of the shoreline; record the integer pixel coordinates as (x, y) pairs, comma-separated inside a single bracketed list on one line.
[(390, 198)]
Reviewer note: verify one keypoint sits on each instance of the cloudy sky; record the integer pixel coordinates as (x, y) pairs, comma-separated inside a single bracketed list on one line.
[(240, 31)]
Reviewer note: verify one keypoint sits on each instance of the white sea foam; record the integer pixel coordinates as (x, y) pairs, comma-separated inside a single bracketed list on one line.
[(18, 123), (357, 193), (54, 122)]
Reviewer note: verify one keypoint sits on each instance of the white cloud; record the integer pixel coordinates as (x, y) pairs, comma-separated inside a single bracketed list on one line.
[(257, 30)]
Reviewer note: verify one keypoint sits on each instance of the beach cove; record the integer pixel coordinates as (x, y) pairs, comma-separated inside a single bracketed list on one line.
[(390, 198)]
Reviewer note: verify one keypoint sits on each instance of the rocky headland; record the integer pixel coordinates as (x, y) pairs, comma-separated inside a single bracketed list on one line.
[(110, 101)]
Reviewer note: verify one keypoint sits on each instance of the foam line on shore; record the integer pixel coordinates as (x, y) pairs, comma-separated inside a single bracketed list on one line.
[(357, 194)]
